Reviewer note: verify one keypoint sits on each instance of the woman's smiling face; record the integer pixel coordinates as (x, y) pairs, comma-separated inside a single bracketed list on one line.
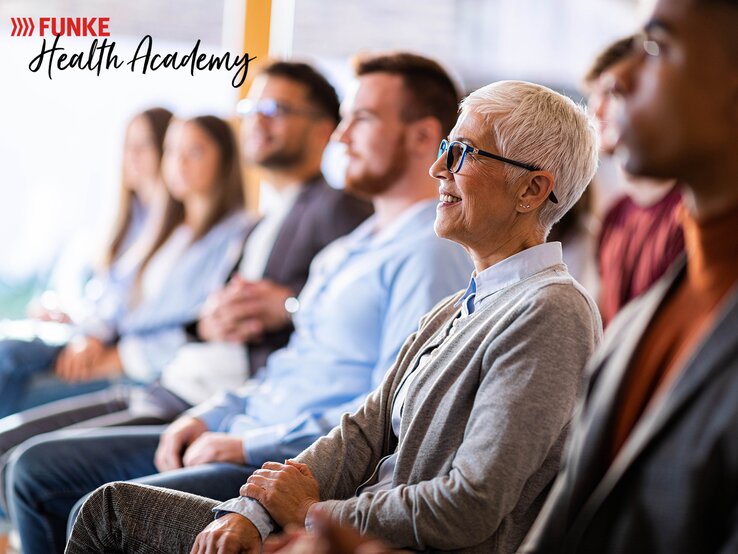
[(476, 207)]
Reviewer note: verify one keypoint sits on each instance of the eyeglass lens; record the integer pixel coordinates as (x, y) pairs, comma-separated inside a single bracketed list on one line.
[(454, 153)]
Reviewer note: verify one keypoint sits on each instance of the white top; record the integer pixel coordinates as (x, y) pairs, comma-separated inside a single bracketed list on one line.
[(159, 269), (274, 204), (513, 269), (203, 369)]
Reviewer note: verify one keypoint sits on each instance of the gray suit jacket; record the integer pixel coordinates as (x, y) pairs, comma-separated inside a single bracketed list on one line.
[(674, 486), (320, 215)]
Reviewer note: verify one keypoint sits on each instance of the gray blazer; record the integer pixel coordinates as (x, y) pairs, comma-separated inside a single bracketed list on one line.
[(674, 486), (320, 215)]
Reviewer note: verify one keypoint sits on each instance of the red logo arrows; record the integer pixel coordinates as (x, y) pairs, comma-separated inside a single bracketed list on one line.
[(22, 26)]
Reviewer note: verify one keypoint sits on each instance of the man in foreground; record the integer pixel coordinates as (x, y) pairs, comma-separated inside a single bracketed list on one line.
[(652, 465)]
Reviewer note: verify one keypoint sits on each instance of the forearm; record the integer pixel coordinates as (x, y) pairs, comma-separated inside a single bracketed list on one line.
[(346, 457), (288, 440), (419, 517), (223, 408), (251, 510)]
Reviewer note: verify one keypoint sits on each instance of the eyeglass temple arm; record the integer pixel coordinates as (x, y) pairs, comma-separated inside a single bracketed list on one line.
[(529, 167)]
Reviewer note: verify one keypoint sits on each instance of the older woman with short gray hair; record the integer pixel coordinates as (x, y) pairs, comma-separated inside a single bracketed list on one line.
[(456, 450)]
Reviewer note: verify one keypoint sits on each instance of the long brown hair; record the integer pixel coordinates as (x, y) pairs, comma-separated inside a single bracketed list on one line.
[(227, 194), (158, 120)]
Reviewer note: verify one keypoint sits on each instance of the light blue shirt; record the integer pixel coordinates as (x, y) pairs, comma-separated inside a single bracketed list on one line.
[(508, 271), (150, 333), (365, 294)]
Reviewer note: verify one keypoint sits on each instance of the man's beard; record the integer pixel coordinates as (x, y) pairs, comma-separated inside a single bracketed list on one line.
[(282, 159), (288, 156), (369, 185)]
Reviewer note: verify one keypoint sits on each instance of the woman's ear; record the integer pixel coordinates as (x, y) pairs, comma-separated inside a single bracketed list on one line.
[(534, 191)]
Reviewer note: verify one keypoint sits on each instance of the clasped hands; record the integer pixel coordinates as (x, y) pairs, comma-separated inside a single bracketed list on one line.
[(87, 358), (234, 533), (243, 311), (286, 491)]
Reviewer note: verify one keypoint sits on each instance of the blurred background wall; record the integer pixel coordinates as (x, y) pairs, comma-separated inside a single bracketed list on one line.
[(61, 140)]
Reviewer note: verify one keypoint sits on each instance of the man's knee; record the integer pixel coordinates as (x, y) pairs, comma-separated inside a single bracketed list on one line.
[(10, 351), (28, 465), (107, 496), (94, 516), (20, 357)]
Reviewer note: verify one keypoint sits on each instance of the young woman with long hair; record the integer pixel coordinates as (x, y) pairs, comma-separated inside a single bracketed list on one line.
[(137, 326)]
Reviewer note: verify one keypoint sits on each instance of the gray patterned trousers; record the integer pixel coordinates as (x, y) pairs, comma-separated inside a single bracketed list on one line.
[(132, 518)]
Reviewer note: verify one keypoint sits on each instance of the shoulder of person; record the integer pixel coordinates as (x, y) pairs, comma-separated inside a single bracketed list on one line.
[(432, 259), (237, 221), (336, 197), (230, 230), (557, 290), (617, 211), (551, 296)]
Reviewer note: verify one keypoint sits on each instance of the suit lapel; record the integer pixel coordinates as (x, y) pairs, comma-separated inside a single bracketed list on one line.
[(707, 359), (237, 265), (592, 440), (279, 257)]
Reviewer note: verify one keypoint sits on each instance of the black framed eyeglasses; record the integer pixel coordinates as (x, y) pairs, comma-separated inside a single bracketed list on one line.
[(456, 151), (269, 107)]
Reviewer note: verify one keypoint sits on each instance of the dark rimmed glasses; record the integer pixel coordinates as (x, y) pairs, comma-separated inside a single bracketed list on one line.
[(456, 154)]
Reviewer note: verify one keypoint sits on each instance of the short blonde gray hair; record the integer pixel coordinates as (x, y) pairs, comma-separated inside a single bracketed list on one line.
[(533, 124)]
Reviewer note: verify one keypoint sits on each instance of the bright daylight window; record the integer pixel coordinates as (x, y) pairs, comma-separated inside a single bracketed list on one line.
[(61, 140)]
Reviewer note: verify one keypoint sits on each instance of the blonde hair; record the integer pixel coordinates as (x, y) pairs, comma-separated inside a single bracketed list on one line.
[(533, 124)]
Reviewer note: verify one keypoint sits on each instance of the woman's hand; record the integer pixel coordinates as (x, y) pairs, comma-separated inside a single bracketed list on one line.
[(287, 491), (77, 360), (87, 358)]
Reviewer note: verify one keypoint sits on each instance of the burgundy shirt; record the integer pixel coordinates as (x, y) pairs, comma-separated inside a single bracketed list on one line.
[(636, 247)]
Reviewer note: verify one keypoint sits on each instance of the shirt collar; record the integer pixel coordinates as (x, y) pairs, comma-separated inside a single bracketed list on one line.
[(509, 271), (366, 231), (273, 200)]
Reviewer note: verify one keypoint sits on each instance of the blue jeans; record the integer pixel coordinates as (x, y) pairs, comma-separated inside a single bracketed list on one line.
[(49, 474), (116, 406), (23, 385), (26, 380)]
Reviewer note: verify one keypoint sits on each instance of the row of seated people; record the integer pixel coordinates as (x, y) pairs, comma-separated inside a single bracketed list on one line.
[(458, 445), (179, 238), (343, 343)]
